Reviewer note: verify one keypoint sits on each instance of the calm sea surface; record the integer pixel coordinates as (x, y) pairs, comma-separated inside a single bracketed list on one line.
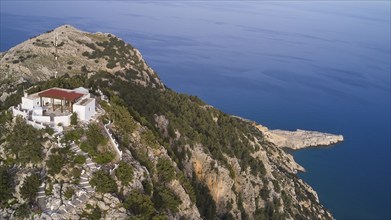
[(320, 66)]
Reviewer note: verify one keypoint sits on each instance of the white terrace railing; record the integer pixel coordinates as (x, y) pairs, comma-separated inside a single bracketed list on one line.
[(113, 141), (18, 111)]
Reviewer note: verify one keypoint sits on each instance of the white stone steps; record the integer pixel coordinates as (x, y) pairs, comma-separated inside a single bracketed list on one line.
[(84, 183), (71, 204)]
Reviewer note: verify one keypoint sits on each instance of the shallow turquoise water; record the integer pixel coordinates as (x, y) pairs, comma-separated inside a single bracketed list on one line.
[(320, 66)]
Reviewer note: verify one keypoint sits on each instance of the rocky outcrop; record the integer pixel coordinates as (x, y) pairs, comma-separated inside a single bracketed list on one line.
[(299, 139), (215, 176), (242, 190), (187, 209)]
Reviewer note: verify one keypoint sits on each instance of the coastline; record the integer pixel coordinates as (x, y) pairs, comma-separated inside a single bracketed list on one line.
[(299, 139)]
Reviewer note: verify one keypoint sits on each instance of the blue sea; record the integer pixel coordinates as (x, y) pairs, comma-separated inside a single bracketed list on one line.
[(321, 65)]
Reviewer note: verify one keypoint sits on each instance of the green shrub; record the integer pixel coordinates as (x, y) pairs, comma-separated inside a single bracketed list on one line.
[(55, 163), (49, 190), (277, 187), (6, 188), (95, 136), (165, 170), (103, 182), (149, 139), (124, 173), (165, 199), (95, 213), (25, 142), (74, 118), (111, 64), (79, 159), (264, 193), (76, 172), (139, 204), (142, 157), (84, 146), (49, 130), (69, 193), (187, 186), (159, 217), (147, 186), (104, 158), (30, 186), (121, 117), (23, 211)]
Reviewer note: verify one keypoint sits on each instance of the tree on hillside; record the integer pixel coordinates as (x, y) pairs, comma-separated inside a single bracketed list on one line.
[(103, 182), (165, 199), (74, 118), (30, 186), (139, 204), (23, 211), (6, 188), (55, 163), (165, 170), (124, 172), (95, 136), (25, 142)]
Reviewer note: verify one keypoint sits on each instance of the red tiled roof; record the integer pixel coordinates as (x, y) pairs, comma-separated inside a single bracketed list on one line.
[(60, 94)]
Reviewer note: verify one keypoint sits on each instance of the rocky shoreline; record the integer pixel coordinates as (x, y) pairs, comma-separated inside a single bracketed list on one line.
[(299, 139)]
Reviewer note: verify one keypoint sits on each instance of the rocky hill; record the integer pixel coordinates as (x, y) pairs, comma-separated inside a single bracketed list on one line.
[(182, 159), (39, 59)]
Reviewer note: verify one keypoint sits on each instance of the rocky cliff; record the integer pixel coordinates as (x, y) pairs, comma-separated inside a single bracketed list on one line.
[(182, 159)]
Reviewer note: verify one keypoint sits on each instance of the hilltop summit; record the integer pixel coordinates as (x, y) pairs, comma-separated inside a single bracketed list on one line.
[(77, 52)]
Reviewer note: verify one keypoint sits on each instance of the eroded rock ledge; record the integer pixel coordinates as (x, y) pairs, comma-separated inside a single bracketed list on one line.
[(299, 139)]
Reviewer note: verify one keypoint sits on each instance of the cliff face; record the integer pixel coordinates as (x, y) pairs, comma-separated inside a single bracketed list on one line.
[(182, 159)]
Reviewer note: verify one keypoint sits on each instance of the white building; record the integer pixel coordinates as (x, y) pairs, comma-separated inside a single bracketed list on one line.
[(56, 105), (85, 108)]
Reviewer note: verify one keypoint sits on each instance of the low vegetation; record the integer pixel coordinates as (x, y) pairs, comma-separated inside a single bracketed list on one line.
[(139, 205), (58, 159), (30, 186), (6, 187), (114, 50), (96, 145), (103, 182), (24, 142), (165, 170), (74, 118), (124, 173)]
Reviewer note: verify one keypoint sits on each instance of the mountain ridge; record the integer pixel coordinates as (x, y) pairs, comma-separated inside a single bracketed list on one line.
[(35, 59)]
